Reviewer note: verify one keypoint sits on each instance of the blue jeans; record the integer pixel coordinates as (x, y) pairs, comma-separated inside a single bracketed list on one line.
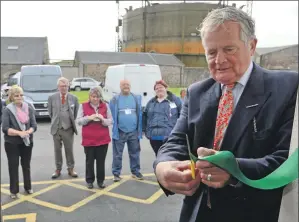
[(133, 149)]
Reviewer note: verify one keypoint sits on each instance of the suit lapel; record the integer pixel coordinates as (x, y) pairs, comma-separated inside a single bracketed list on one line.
[(250, 102), (58, 100), (208, 114), (69, 101)]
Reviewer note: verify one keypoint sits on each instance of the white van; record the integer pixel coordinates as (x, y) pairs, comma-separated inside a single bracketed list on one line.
[(141, 76)]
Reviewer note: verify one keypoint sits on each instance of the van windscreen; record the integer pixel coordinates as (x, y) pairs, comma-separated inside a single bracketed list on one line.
[(40, 83)]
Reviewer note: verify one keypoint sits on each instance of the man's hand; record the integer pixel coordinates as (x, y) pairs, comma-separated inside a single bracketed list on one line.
[(176, 176), (219, 177)]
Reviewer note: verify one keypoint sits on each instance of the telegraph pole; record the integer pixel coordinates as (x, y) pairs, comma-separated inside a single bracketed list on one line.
[(117, 29), (144, 27)]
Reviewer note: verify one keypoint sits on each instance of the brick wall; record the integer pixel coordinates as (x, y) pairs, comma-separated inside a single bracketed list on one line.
[(96, 71), (283, 59), (194, 74), (173, 75), (70, 72)]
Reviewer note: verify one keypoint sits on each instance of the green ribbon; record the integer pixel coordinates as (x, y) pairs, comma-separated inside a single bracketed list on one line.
[(283, 175)]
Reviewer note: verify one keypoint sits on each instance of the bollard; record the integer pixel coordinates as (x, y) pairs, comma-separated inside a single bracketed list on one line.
[(289, 204)]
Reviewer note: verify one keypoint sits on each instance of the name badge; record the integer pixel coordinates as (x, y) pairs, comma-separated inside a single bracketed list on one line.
[(172, 105), (128, 111)]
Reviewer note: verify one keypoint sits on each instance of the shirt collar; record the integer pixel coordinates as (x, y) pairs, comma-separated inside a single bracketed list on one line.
[(244, 79), (61, 95)]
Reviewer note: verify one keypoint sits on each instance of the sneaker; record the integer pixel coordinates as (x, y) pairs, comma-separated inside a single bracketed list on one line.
[(117, 178), (138, 176), (101, 185), (13, 196), (29, 191), (89, 185)]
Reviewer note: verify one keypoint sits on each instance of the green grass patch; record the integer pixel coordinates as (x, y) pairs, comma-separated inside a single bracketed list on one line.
[(175, 91), (83, 95)]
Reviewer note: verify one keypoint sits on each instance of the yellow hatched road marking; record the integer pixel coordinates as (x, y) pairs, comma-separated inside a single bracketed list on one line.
[(28, 217), (97, 193)]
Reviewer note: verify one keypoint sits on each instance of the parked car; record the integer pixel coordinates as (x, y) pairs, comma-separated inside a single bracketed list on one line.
[(83, 83)]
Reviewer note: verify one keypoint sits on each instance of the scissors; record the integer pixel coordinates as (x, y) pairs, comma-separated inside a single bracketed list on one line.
[(192, 158)]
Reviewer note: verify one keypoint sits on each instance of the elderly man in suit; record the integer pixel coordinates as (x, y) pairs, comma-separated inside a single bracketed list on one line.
[(63, 108), (243, 108)]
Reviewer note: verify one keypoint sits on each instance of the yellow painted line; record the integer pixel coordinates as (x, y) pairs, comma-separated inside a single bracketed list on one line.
[(155, 196), (78, 186), (90, 198), (5, 191), (108, 188), (48, 205), (83, 202), (124, 197), (75, 180), (11, 204), (23, 198), (45, 182), (97, 193), (44, 190), (28, 217)]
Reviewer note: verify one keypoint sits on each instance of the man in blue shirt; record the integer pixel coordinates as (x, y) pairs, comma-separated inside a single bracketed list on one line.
[(127, 128)]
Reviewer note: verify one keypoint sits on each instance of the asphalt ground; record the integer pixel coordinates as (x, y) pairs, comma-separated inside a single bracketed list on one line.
[(67, 199)]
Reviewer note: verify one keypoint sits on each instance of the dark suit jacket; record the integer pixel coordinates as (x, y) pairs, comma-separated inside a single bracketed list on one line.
[(258, 153)]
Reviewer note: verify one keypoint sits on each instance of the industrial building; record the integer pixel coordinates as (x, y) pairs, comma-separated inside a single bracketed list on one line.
[(167, 28), (95, 64), (281, 57)]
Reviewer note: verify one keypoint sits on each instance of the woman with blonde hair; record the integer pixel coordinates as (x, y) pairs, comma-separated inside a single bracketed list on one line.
[(95, 116), (18, 126)]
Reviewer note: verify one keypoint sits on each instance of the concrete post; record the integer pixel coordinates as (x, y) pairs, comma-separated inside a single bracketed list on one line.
[(289, 204)]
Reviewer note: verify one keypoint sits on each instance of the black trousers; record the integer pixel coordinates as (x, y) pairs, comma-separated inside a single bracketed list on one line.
[(14, 152), (156, 144), (97, 153)]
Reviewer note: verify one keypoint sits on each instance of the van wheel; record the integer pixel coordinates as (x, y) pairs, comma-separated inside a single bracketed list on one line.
[(77, 88)]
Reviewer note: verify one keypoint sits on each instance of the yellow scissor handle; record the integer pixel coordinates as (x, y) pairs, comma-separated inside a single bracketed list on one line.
[(192, 169)]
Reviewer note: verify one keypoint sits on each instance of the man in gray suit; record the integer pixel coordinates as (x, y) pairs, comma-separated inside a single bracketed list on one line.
[(63, 109)]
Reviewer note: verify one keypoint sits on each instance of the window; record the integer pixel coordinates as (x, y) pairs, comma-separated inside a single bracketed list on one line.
[(35, 83), (13, 47)]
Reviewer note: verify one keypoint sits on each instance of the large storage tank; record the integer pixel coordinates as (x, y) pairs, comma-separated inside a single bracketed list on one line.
[(167, 28)]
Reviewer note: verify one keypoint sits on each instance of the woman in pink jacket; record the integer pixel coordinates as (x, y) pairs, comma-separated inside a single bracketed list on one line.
[(95, 116)]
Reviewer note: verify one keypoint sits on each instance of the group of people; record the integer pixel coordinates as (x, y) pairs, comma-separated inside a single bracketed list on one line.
[(242, 108), (129, 121)]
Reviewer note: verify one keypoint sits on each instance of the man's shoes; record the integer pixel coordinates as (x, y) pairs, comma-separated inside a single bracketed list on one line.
[(29, 191), (138, 176), (116, 178), (89, 185), (72, 173), (56, 174), (101, 185), (13, 196)]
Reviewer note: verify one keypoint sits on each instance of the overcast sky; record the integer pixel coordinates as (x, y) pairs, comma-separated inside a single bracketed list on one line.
[(90, 26)]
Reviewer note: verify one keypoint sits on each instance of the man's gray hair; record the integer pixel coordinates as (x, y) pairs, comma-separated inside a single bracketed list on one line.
[(64, 80), (221, 15)]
